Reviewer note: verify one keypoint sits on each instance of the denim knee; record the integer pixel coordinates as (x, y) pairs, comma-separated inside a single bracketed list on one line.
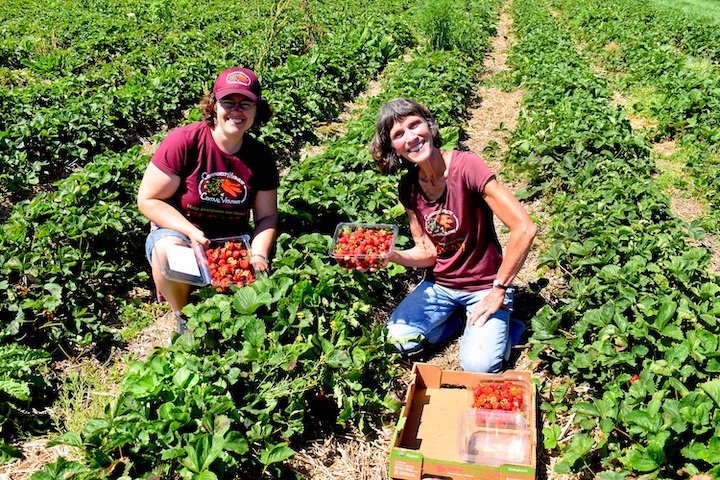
[(156, 235), (406, 338), (481, 363)]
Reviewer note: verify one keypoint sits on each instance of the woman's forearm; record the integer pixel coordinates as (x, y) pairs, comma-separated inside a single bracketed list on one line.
[(419, 256), (264, 235), (517, 250)]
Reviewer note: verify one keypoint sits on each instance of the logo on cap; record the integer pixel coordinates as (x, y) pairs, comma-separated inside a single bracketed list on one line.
[(239, 78)]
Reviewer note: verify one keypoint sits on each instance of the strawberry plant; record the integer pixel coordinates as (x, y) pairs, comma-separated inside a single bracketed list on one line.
[(24, 385)]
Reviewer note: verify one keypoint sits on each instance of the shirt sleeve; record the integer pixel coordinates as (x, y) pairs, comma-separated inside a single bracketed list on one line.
[(476, 172), (172, 155)]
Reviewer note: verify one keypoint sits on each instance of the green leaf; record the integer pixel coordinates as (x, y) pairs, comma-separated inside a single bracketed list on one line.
[(699, 451), (15, 389), (185, 378), (8, 453), (666, 312), (205, 475), (275, 453), (247, 301), (646, 422), (712, 389), (255, 332), (672, 331), (236, 442), (639, 460), (339, 359), (67, 438), (551, 435), (171, 453), (586, 408)]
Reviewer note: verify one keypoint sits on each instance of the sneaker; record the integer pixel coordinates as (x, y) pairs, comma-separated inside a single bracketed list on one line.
[(181, 323)]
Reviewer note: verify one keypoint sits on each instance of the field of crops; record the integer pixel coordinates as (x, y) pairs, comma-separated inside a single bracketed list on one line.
[(625, 345)]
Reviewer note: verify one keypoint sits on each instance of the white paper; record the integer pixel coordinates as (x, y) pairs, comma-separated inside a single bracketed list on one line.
[(182, 259)]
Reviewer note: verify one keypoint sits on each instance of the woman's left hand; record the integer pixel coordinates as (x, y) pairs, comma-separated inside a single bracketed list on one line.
[(492, 302), (260, 262)]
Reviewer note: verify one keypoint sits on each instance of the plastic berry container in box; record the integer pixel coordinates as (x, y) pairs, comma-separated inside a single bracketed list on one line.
[(493, 437), (225, 262), (494, 429), (363, 245)]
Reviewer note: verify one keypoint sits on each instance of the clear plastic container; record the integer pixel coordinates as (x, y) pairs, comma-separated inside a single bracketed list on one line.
[(493, 437), (348, 249), (189, 264)]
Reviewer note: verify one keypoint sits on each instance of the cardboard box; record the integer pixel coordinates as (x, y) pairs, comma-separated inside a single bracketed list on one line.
[(426, 437)]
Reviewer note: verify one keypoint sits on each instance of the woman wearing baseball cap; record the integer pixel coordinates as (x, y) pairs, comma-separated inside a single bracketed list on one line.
[(207, 178)]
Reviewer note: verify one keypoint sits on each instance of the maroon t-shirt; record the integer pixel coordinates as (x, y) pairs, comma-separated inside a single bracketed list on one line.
[(217, 189), (459, 223)]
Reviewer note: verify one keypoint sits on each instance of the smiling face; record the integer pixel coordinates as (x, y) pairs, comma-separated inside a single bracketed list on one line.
[(411, 138), (235, 114)]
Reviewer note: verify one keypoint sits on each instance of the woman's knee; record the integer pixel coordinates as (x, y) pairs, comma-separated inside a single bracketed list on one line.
[(406, 338), (481, 363)]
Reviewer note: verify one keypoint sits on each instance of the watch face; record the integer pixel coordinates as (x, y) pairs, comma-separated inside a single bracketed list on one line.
[(496, 283)]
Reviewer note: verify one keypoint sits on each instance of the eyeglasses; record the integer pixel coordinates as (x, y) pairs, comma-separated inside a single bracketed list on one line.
[(244, 105)]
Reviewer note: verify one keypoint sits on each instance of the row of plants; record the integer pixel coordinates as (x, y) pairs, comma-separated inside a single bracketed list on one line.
[(677, 25), (635, 335), (679, 91), (71, 256), (55, 123), (298, 352)]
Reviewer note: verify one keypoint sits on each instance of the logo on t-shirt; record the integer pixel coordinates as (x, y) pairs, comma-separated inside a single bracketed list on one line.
[(222, 187), (440, 225)]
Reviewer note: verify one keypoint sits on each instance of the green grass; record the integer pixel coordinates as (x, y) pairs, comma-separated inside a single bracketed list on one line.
[(708, 10), (137, 315), (87, 388)]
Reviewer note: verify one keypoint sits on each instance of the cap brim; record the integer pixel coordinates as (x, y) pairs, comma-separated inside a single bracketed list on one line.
[(224, 92)]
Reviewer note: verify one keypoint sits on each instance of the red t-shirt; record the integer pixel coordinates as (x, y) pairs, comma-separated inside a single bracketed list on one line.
[(459, 223), (217, 190)]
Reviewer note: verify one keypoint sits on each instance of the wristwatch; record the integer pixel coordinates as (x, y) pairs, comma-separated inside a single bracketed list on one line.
[(496, 283)]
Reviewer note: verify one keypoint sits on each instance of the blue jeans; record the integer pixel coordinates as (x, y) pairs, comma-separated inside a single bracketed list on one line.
[(156, 235), (432, 313)]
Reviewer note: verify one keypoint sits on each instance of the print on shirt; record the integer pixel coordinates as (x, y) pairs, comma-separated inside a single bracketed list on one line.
[(441, 225), (222, 187)]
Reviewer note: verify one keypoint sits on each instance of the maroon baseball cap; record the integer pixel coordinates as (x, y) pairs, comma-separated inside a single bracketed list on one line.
[(237, 80)]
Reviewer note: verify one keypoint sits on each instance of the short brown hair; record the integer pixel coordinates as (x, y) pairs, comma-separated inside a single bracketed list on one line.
[(381, 147), (207, 110)]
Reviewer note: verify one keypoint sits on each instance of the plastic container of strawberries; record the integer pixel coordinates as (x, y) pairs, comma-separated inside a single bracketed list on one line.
[(227, 260), (201, 267), (363, 245)]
